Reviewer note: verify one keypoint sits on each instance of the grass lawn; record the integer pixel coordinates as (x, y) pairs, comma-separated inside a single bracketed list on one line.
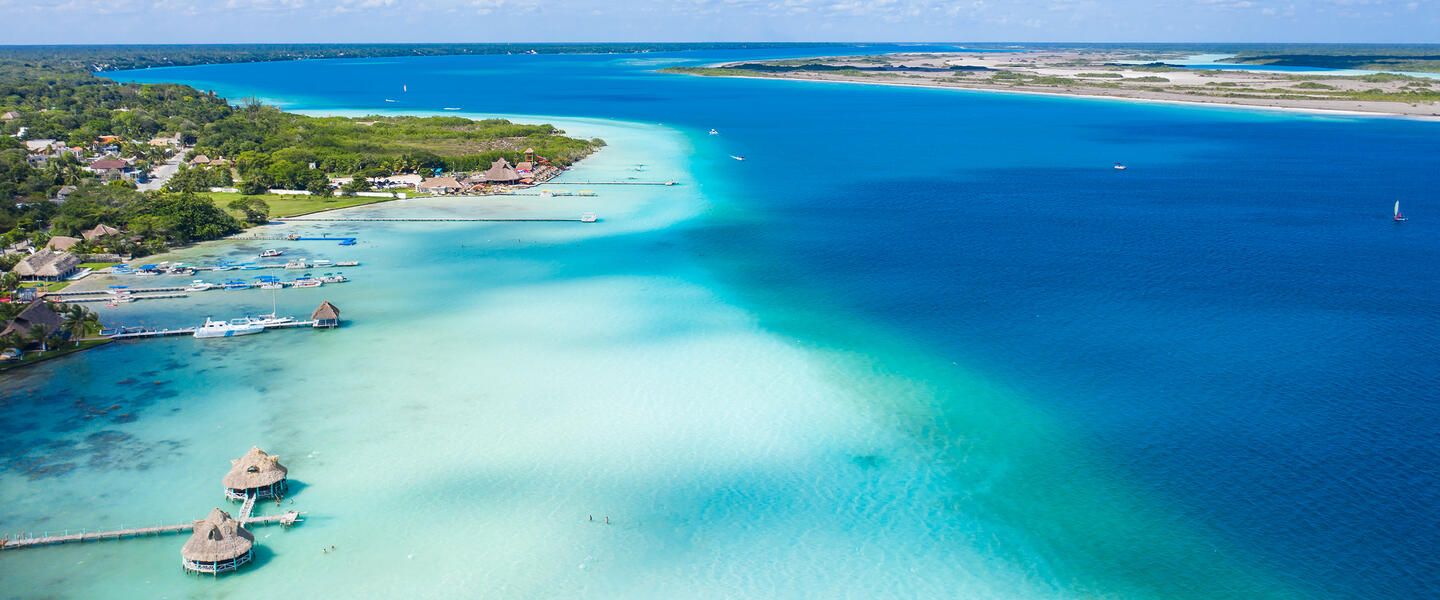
[(97, 266), (35, 357), (49, 286), (289, 206)]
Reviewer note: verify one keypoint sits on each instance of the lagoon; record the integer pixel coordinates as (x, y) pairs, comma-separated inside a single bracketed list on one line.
[(921, 343)]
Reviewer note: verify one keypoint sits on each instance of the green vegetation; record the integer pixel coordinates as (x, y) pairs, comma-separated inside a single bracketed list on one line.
[(48, 61), (1148, 79), (1376, 57), (31, 358), (1108, 75), (281, 206), (1311, 85), (56, 98)]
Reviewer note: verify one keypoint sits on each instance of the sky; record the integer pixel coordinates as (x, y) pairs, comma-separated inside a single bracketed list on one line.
[(258, 21)]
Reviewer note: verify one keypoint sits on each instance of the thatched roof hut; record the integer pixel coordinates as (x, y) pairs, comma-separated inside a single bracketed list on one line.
[(38, 313), (47, 265), (98, 231), (326, 315), (500, 171), (256, 474), (218, 543), (62, 242)]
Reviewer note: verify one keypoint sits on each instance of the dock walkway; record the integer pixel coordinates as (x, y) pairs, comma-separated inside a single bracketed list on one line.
[(287, 518), (444, 219)]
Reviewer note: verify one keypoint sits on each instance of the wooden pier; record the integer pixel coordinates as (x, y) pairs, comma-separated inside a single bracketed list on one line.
[(446, 219), (287, 518), (612, 183), (154, 333)]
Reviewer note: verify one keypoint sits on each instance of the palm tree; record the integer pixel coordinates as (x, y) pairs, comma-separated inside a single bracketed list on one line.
[(40, 334), (79, 322)]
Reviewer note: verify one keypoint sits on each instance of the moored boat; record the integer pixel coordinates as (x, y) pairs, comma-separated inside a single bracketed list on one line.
[(588, 217), (347, 263), (231, 328), (307, 282)]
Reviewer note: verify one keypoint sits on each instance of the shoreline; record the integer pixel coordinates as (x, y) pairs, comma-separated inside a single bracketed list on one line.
[(1116, 97)]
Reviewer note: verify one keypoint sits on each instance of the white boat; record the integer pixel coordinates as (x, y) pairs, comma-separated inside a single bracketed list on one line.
[(1119, 167), (307, 282), (587, 217), (347, 263), (713, 132), (296, 264), (389, 100), (269, 320), (322, 263), (231, 328), (272, 285), (452, 108), (737, 157), (199, 286), (1398, 216), (333, 278), (270, 253)]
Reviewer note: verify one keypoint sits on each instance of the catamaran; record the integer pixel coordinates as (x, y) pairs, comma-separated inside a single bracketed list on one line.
[(1398, 216), (231, 328)]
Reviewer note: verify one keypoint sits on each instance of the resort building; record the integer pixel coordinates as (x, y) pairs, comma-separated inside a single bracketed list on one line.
[(256, 474), (9, 116), (64, 192), (62, 242), (98, 231), (327, 315), (200, 160), (218, 543), (439, 185), (38, 313), (46, 265), (500, 171)]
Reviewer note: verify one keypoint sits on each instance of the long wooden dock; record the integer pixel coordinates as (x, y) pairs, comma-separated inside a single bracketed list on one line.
[(287, 518), (154, 333), (445, 219), (612, 183)]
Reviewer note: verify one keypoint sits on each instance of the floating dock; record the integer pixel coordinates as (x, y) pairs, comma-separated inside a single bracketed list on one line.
[(287, 518)]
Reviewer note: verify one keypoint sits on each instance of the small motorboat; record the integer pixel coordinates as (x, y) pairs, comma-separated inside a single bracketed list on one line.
[(347, 263), (333, 278), (322, 263), (296, 264), (452, 108), (713, 132), (270, 253), (588, 217), (736, 157), (1119, 167), (307, 282)]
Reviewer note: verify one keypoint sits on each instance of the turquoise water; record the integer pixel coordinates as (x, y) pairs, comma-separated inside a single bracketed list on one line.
[(920, 343)]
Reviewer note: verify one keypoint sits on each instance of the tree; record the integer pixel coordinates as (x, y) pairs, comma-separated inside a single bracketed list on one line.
[(253, 187), (256, 210), (79, 322), (40, 334)]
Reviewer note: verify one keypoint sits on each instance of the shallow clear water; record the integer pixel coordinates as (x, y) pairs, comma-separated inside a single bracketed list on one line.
[(921, 343)]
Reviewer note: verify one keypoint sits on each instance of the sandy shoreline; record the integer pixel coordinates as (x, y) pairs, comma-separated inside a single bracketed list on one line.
[(1362, 110)]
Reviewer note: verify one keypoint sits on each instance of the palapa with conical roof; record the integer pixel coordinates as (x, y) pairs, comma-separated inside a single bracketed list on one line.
[(256, 474), (217, 543), (500, 171), (326, 315)]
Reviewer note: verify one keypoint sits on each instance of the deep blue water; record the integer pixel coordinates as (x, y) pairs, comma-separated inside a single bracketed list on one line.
[(1234, 322)]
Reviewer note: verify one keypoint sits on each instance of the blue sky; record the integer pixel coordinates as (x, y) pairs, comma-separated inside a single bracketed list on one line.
[(219, 21)]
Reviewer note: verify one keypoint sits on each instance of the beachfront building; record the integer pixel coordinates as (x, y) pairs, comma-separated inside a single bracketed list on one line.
[(38, 313), (47, 265), (256, 474), (500, 171), (439, 185), (218, 543), (199, 160), (326, 316)]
